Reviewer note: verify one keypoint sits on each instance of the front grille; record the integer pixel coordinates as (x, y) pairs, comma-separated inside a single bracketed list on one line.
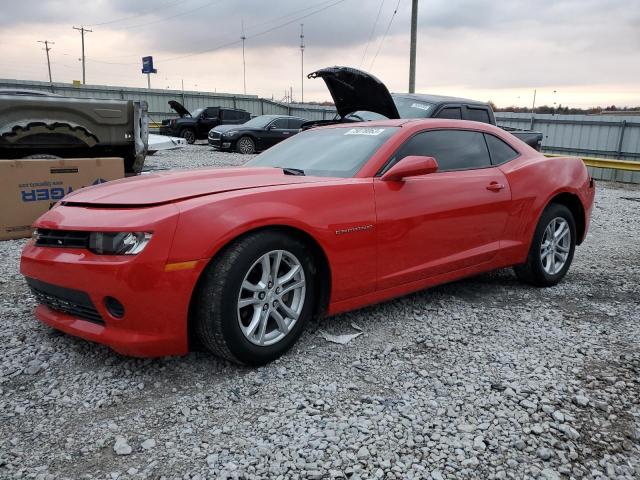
[(62, 238), (214, 135), (73, 302)]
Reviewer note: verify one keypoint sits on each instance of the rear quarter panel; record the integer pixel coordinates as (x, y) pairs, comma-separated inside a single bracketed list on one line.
[(535, 180), (207, 224)]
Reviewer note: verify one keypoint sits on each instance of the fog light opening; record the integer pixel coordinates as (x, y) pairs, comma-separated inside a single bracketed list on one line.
[(114, 307)]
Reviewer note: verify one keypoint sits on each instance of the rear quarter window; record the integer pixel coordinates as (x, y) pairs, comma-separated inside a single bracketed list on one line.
[(500, 151)]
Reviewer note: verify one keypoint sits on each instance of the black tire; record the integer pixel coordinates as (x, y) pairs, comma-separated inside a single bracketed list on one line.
[(189, 135), (216, 321), (42, 156), (246, 145), (533, 271)]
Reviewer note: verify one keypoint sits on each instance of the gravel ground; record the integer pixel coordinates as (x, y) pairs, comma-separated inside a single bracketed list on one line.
[(483, 378)]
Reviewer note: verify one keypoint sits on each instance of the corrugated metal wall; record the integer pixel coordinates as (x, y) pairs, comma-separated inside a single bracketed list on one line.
[(157, 99), (604, 136)]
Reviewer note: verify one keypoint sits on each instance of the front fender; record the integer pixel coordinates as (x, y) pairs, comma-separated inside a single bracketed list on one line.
[(323, 212)]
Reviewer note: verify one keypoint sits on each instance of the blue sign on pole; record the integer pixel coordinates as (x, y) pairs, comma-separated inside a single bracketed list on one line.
[(147, 65)]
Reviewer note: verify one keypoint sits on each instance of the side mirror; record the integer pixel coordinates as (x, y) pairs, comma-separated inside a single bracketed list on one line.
[(272, 127), (410, 166)]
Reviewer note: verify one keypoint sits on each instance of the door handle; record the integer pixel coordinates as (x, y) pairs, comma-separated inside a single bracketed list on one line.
[(495, 186)]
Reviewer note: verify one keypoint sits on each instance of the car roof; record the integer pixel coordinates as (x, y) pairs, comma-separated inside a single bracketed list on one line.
[(271, 115), (437, 98), (417, 124)]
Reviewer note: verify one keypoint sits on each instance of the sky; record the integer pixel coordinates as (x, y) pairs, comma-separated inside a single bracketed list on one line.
[(573, 52)]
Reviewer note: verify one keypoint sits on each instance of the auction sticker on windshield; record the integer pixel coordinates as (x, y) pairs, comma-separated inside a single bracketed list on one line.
[(421, 106), (365, 131)]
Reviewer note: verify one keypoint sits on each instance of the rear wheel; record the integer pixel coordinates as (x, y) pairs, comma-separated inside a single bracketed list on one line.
[(255, 298), (552, 248), (246, 145), (189, 135)]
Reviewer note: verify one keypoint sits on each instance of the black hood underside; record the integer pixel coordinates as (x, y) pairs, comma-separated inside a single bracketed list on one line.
[(353, 90)]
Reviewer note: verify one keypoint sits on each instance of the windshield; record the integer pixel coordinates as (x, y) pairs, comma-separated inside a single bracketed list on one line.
[(258, 122), (196, 113), (412, 108), (327, 152), (407, 108)]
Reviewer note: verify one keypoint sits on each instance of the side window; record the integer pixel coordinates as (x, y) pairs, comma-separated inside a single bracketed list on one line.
[(500, 151), (450, 112), (452, 149), (478, 115), (280, 124), (212, 112), (295, 123)]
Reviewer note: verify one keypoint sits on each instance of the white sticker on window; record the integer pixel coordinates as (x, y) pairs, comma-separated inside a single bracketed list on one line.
[(365, 131), (421, 106)]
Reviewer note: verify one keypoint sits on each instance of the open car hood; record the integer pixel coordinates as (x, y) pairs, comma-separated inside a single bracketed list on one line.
[(167, 187), (179, 108), (354, 90)]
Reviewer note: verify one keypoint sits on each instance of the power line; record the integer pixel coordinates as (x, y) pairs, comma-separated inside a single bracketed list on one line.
[(385, 35), (264, 32), (373, 29), (159, 20), (155, 9), (311, 7)]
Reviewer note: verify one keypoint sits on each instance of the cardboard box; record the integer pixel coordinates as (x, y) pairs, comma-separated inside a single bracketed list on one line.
[(28, 188)]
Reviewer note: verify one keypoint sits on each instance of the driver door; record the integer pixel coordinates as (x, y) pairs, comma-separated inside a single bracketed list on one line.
[(445, 221), (277, 131)]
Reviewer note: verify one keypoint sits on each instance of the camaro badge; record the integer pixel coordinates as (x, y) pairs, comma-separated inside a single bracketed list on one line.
[(353, 229)]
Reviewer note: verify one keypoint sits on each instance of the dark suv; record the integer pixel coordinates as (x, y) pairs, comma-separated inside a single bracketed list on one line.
[(196, 125)]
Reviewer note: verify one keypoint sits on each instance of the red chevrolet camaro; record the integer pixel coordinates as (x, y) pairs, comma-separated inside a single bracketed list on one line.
[(237, 260)]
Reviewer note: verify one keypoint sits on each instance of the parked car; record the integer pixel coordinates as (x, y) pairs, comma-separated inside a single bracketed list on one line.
[(195, 125), (360, 96), (256, 135), (333, 219), (42, 124)]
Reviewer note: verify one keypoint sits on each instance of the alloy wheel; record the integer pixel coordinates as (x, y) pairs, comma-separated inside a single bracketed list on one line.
[(245, 145), (271, 297), (556, 245), (189, 136)]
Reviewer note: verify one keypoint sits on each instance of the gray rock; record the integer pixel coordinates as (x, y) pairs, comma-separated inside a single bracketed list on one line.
[(544, 453), (121, 447)]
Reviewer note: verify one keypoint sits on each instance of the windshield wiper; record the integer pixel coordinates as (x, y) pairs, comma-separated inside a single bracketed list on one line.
[(292, 171)]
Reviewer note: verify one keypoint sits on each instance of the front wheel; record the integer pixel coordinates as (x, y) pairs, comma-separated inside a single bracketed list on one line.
[(552, 248), (246, 145), (189, 135), (254, 299)]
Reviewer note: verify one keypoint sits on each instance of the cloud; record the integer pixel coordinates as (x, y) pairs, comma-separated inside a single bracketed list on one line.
[(465, 45)]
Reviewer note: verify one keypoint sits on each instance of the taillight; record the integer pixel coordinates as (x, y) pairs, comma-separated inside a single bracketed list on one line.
[(173, 122)]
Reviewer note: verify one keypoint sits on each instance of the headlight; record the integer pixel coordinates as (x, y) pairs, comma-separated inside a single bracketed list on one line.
[(229, 134), (118, 243)]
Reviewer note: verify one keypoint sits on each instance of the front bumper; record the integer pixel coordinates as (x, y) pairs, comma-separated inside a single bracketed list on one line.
[(219, 142), (155, 299)]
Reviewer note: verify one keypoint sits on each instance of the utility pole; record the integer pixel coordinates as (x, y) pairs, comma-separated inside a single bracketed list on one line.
[(302, 63), (47, 48), (244, 65), (412, 52), (82, 30), (533, 109)]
